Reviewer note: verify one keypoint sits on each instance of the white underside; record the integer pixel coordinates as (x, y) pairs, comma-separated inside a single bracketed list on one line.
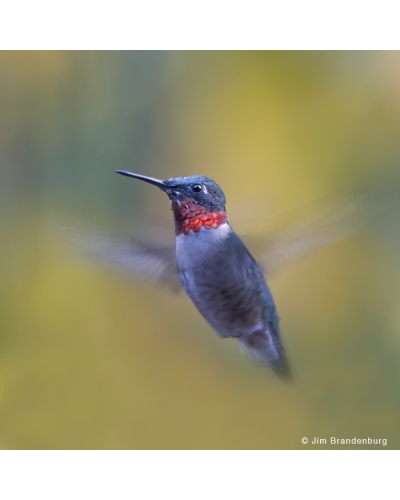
[(193, 248)]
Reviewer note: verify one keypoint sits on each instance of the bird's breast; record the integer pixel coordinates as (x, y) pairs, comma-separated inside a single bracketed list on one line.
[(222, 279), (194, 250)]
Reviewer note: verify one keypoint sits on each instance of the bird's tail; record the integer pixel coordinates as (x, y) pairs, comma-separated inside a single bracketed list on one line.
[(268, 350)]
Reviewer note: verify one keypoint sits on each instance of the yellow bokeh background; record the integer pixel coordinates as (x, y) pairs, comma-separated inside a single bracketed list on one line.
[(93, 358)]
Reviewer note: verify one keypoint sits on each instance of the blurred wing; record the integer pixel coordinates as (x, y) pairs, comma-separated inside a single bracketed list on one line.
[(153, 262), (318, 225), (250, 212)]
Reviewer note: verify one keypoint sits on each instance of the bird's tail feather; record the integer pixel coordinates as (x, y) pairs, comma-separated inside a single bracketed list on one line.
[(268, 350)]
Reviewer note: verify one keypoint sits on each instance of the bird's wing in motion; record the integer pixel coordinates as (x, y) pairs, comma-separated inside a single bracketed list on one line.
[(300, 232), (154, 262), (317, 225)]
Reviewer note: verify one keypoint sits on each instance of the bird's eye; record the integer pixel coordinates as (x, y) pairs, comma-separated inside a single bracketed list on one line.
[(197, 188)]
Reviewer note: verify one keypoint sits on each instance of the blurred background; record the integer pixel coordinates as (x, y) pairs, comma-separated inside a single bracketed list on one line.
[(93, 358)]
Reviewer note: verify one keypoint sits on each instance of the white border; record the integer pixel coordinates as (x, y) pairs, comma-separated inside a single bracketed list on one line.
[(199, 25)]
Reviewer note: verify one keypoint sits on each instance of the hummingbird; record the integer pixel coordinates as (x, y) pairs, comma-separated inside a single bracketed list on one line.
[(217, 271)]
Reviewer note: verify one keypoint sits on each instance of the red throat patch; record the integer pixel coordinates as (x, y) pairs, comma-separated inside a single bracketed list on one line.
[(192, 217)]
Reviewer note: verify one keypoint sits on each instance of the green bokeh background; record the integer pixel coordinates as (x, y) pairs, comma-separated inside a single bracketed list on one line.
[(91, 358)]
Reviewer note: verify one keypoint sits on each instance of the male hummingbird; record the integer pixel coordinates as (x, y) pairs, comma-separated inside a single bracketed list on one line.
[(217, 271)]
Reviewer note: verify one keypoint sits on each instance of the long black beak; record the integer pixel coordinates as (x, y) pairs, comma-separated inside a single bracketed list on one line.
[(157, 182)]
